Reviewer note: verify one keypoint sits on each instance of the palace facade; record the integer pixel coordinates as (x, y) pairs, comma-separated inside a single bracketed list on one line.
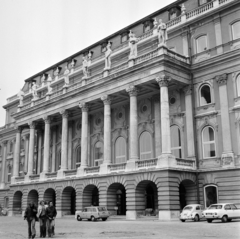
[(143, 122)]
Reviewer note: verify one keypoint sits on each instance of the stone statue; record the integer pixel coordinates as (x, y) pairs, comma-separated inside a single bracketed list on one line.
[(20, 96), (66, 73), (49, 80), (162, 33), (85, 65), (133, 45), (34, 91), (108, 54)]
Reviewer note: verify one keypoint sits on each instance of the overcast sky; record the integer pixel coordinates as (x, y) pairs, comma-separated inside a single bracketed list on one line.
[(35, 34)]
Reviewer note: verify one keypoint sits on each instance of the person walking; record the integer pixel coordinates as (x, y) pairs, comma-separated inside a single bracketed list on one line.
[(42, 218), (51, 214), (30, 215)]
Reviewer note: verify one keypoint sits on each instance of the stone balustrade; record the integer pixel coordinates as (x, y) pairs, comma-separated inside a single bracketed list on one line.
[(51, 175), (117, 167), (19, 179), (34, 177), (185, 162), (69, 173), (92, 170), (146, 163)]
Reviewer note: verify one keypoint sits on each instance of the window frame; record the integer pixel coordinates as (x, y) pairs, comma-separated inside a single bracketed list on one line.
[(9, 173), (209, 142), (197, 43), (200, 94), (78, 164), (115, 156), (151, 146), (180, 137), (232, 31), (95, 160), (205, 196)]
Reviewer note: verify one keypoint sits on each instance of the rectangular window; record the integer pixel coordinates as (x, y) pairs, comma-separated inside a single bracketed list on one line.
[(236, 30), (201, 43), (201, 2)]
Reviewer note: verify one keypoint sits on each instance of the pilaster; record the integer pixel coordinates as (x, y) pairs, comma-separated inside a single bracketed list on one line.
[(4, 156)]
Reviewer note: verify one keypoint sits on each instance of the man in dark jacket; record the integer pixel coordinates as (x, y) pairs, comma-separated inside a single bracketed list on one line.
[(51, 214), (30, 216)]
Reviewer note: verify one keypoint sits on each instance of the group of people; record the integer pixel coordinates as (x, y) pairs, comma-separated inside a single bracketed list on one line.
[(45, 213)]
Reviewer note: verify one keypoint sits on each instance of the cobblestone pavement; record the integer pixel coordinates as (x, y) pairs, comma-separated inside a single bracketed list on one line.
[(16, 228)]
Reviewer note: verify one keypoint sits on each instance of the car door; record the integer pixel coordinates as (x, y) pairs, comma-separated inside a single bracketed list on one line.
[(83, 214), (235, 211), (228, 211)]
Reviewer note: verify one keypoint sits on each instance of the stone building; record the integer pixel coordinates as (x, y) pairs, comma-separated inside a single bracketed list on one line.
[(145, 120)]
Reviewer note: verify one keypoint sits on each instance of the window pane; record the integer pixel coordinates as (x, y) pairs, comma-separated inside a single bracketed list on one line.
[(205, 95), (175, 136), (209, 150), (208, 134), (120, 150), (201, 44), (211, 195), (98, 150), (236, 30), (145, 146), (209, 142)]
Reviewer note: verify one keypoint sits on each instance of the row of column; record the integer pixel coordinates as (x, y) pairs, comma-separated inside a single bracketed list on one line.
[(163, 82)]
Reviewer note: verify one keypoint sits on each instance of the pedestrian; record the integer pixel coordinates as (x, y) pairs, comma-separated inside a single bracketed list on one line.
[(30, 215), (51, 214), (42, 218)]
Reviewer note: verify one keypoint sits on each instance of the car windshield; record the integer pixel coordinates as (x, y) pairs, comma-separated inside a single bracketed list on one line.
[(188, 208), (101, 209), (215, 207)]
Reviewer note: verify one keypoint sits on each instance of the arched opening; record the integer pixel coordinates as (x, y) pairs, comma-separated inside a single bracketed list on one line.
[(176, 145), (17, 203), (90, 196), (50, 195), (69, 201), (146, 198), (78, 156), (205, 95), (98, 153), (145, 143), (187, 193), (116, 199), (33, 197), (120, 150)]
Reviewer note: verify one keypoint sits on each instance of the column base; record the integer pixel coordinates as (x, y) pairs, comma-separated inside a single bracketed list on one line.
[(131, 165), (131, 215), (80, 171), (227, 159), (104, 168), (61, 173), (165, 215), (166, 161)]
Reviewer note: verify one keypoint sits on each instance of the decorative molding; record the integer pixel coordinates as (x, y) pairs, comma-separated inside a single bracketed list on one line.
[(222, 79), (132, 90), (18, 129), (106, 99), (163, 80)]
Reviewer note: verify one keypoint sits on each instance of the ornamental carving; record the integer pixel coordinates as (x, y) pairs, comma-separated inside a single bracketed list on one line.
[(163, 80), (222, 79), (106, 99), (18, 129), (47, 119), (132, 91), (119, 116), (187, 90), (32, 124), (144, 110), (64, 113), (84, 106)]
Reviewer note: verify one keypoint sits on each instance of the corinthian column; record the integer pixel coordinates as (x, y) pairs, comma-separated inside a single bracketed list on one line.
[(84, 138), (64, 145), (4, 156), (32, 126), (227, 154), (26, 140), (17, 154)]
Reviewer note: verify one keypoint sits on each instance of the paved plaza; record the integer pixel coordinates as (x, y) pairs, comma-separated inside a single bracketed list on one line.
[(16, 227)]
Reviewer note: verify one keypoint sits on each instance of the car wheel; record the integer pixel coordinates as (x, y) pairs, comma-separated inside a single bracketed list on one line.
[(224, 218), (209, 220), (229, 220), (104, 219), (93, 219), (182, 220), (79, 218), (196, 218)]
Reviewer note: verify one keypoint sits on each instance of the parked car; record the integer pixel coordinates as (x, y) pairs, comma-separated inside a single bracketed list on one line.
[(222, 211), (192, 212), (92, 213)]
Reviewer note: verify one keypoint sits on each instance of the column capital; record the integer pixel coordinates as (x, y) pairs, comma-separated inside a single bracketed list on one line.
[(5, 142), (26, 136), (32, 124), (132, 91), (106, 99), (187, 90), (84, 106), (163, 80), (18, 129), (64, 113), (47, 119), (222, 79)]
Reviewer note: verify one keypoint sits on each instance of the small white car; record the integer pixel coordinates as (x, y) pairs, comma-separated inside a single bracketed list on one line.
[(192, 212), (222, 211), (92, 213)]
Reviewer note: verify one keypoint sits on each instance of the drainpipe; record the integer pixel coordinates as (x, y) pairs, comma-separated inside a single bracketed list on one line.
[(194, 113)]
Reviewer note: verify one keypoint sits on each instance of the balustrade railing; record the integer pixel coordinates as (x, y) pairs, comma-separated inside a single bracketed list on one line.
[(146, 163), (117, 167), (19, 179), (51, 175), (146, 56), (91, 170), (34, 177), (26, 106), (12, 98), (199, 10), (177, 56), (185, 162), (173, 22), (71, 172), (119, 68), (55, 94)]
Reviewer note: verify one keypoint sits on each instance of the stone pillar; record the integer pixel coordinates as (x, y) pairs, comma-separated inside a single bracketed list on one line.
[(227, 154), (54, 140), (17, 154), (26, 140), (107, 152), (132, 91), (189, 122), (4, 156), (39, 157), (218, 34), (64, 146), (84, 139), (70, 145), (157, 126), (166, 159), (46, 152), (32, 126)]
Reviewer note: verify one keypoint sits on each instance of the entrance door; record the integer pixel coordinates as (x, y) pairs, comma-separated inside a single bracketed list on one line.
[(121, 202)]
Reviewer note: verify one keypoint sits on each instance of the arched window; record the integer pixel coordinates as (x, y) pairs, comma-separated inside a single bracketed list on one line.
[(120, 150), (98, 153), (9, 173), (78, 157), (21, 169), (205, 95), (145, 146), (208, 140), (236, 30), (210, 195), (201, 44), (238, 85), (176, 146)]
